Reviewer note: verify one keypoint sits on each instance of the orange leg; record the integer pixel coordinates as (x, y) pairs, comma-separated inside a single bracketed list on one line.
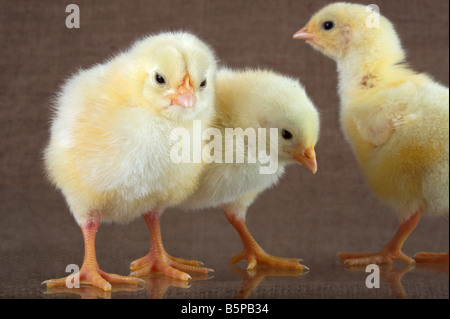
[(254, 254), (90, 273), (391, 251), (158, 261)]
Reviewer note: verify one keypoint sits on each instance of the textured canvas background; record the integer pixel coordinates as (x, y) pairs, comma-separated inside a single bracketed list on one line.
[(306, 216)]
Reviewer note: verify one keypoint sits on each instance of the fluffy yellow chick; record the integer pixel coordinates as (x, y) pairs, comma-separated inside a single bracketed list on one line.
[(395, 120), (276, 119), (110, 138)]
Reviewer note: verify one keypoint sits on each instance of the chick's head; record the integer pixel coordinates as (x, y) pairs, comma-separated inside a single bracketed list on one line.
[(176, 72), (281, 102), (291, 111), (342, 29)]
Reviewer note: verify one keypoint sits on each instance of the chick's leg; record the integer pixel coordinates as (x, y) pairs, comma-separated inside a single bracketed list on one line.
[(391, 251), (158, 260), (254, 254), (90, 273)]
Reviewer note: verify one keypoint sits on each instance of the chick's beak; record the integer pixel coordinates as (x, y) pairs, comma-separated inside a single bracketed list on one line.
[(307, 158), (304, 34), (185, 94)]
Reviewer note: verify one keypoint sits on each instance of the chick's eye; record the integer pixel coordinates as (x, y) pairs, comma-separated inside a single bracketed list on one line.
[(159, 79), (286, 134), (203, 84), (328, 25)]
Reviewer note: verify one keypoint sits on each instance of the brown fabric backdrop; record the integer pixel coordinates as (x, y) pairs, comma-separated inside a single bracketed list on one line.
[(308, 216)]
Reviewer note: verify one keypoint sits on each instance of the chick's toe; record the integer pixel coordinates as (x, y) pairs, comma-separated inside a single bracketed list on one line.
[(431, 258)]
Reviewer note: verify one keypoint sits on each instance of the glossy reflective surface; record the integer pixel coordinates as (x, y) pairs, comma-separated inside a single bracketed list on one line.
[(39, 246)]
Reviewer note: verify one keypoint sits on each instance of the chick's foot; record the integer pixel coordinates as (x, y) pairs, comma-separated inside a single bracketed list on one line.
[(90, 273), (139, 263), (159, 261), (391, 251), (257, 256), (254, 254), (431, 258)]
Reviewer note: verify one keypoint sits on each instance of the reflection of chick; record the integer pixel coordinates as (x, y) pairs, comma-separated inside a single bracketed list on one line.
[(395, 120), (257, 99), (110, 137)]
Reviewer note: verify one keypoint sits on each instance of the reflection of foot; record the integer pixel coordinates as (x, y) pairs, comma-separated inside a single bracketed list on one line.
[(382, 257), (254, 254), (431, 258), (252, 278), (91, 292), (393, 277), (444, 268), (157, 285)]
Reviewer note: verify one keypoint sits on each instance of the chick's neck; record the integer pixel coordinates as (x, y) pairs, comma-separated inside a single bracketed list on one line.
[(364, 69)]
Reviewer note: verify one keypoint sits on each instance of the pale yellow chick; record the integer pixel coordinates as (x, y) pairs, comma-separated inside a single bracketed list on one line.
[(109, 150), (271, 115), (396, 120)]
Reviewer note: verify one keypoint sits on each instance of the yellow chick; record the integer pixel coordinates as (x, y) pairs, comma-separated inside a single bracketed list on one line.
[(396, 120), (275, 124), (109, 150)]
